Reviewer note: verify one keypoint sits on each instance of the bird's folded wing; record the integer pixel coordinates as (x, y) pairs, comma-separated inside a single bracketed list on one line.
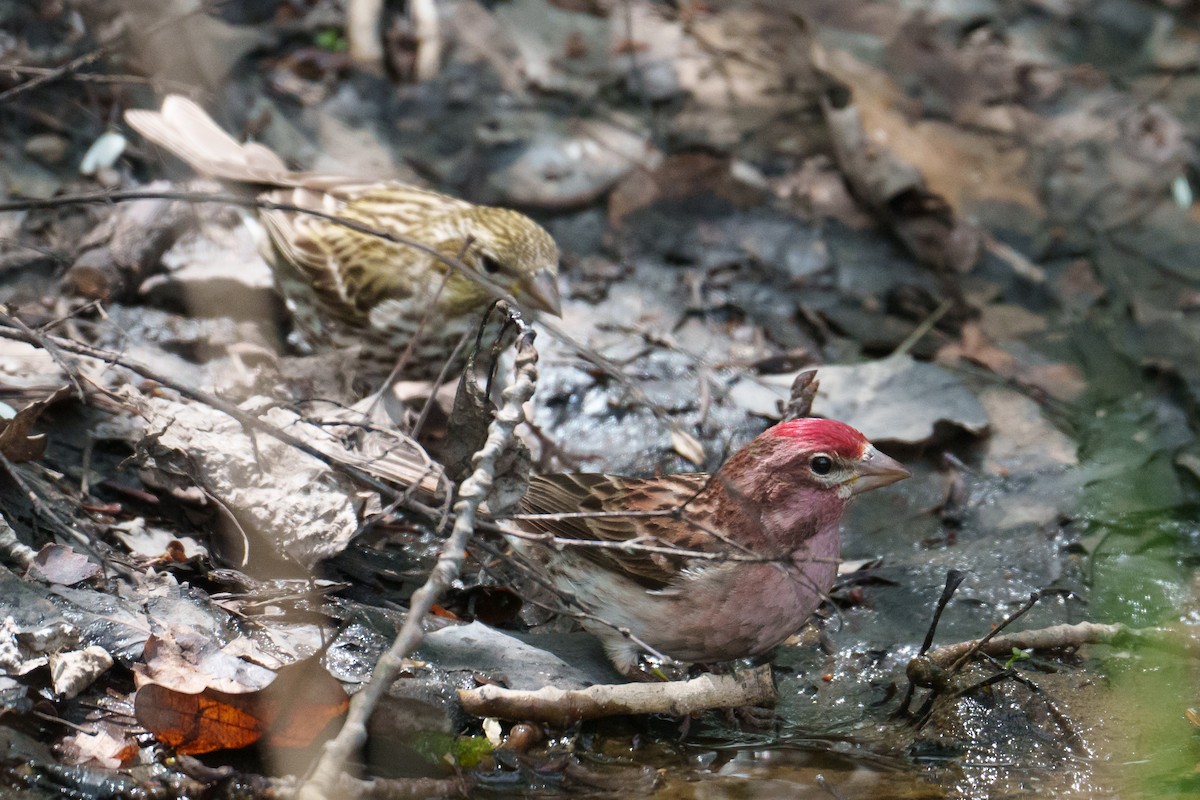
[(652, 512), (353, 270), (326, 257)]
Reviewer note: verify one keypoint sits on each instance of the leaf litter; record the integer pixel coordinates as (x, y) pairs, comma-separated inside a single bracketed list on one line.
[(972, 224)]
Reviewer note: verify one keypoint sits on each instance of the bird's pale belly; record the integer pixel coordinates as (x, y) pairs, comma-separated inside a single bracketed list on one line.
[(761, 606), (725, 612)]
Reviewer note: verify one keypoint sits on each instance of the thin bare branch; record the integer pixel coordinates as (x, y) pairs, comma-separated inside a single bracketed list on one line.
[(562, 707), (472, 492), (246, 419)]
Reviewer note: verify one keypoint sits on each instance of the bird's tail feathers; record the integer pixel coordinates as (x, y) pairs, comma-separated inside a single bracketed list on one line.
[(186, 129)]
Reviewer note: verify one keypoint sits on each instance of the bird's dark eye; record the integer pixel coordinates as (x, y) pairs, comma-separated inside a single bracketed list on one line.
[(821, 465), (490, 265)]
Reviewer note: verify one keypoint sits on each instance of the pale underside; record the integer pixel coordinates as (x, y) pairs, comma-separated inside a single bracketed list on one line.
[(716, 611)]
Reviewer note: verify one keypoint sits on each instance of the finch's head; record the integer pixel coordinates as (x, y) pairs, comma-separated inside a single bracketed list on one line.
[(818, 457), (514, 252), (796, 478), (829, 454)]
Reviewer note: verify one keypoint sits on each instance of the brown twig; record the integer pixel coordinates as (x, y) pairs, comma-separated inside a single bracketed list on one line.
[(78, 63), (41, 508), (472, 492), (12, 548), (1010, 619), (159, 84), (50, 348), (563, 708), (1058, 637), (246, 419), (56, 73)]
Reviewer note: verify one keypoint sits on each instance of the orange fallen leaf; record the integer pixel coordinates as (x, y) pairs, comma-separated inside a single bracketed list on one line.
[(291, 712), (199, 723), (442, 612)]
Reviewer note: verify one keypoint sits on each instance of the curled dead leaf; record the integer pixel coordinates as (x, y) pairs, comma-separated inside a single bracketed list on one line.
[(57, 563), (687, 446), (292, 712), (106, 748), (17, 443)]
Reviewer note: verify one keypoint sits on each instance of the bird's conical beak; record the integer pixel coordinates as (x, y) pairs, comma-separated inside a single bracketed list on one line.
[(541, 292), (875, 470)]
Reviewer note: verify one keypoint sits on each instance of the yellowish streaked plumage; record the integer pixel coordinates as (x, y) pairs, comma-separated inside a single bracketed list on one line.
[(347, 287)]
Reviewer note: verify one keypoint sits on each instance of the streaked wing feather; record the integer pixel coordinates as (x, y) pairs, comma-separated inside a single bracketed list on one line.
[(393, 206), (608, 495), (315, 261), (341, 264)]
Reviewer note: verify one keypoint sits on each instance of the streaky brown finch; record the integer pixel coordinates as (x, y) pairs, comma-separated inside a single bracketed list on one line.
[(770, 515), (349, 288)]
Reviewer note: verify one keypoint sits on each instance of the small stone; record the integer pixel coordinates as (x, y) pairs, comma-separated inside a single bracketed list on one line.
[(48, 148), (102, 155)]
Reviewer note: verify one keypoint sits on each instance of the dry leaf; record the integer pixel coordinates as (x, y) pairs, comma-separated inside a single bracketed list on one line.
[(102, 748), (16, 442), (57, 563), (687, 446), (291, 712), (191, 662)]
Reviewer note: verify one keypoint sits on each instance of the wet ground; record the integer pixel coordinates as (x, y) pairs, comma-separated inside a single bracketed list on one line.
[(993, 270)]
